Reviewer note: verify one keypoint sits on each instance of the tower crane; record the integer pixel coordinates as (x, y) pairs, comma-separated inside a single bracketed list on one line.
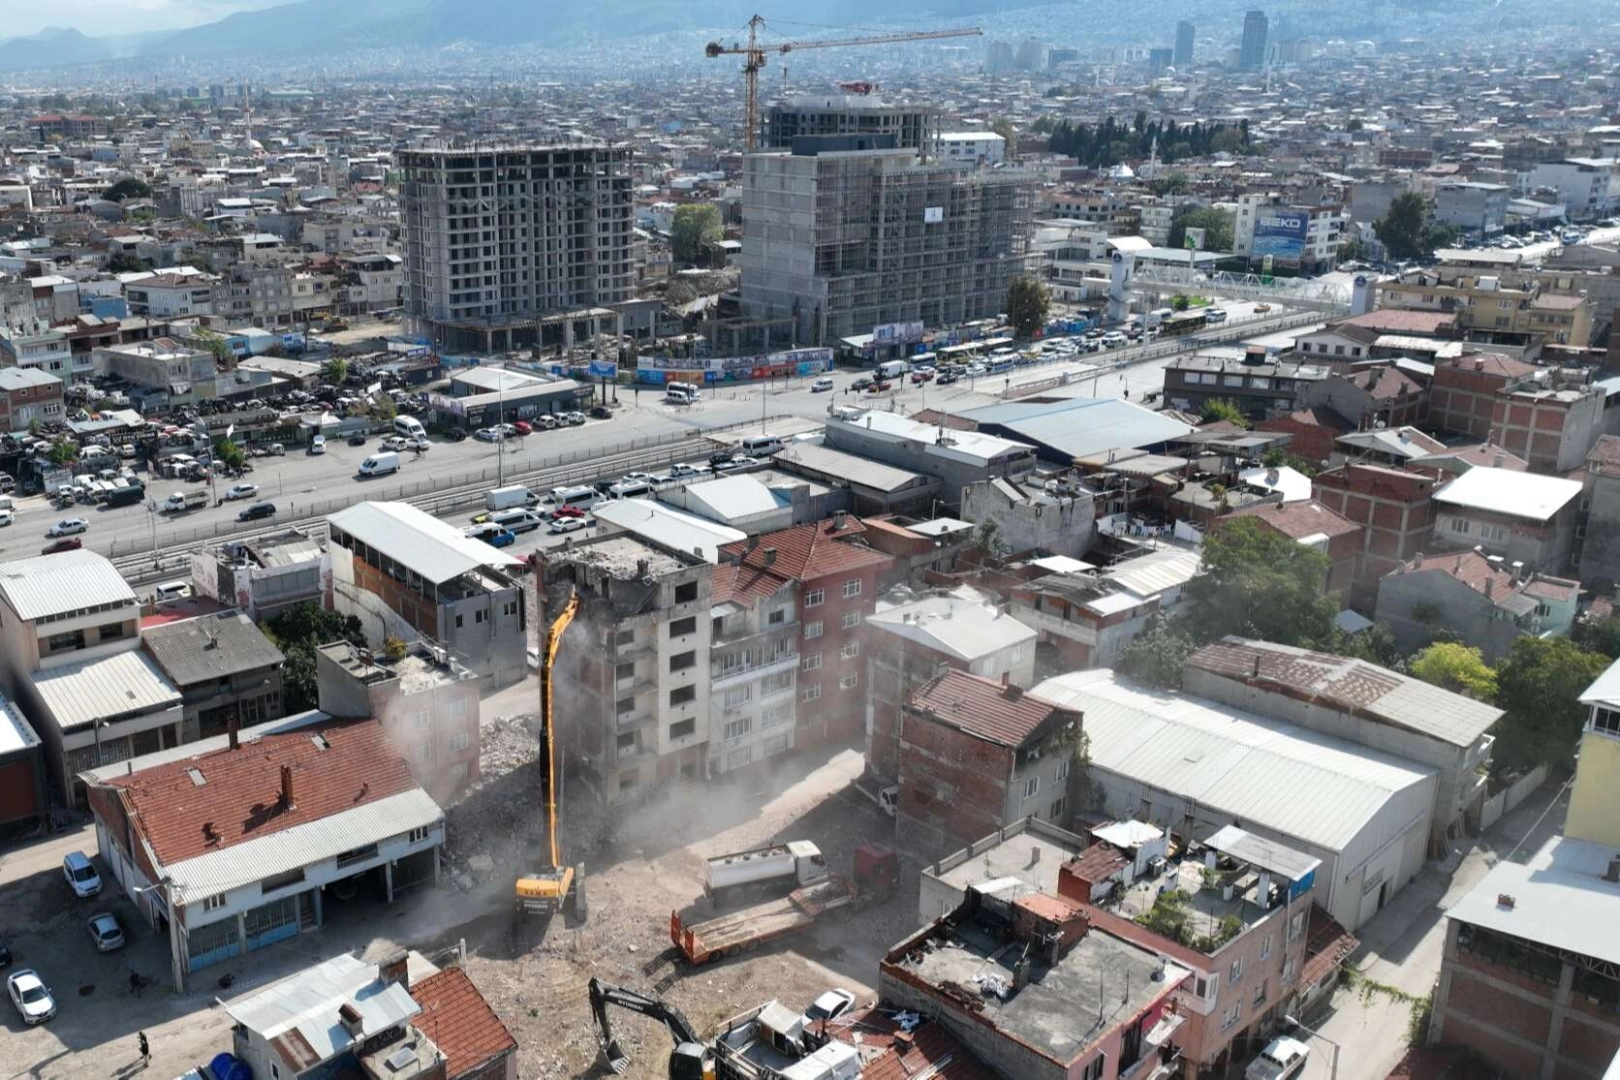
[(755, 52)]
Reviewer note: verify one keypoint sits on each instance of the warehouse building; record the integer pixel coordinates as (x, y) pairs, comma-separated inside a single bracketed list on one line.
[(1194, 767)]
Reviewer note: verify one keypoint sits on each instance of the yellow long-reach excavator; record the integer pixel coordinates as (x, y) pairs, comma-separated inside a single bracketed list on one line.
[(554, 886)]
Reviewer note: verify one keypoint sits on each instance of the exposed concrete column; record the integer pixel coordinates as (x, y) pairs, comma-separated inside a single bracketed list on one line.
[(388, 877), (241, 934), (319, 892), (1555, 1027), (177, 945)]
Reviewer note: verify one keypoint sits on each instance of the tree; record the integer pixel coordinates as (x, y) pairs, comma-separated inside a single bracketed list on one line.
[(1260, 584), (297, 632), (1228, 142), (63, 452), (1457, 668), (1217, 226), (223, 357), (336, 370), (1354, 125), (1352, 250), (1217, 410), (1154, 657), (1180, 302), (383, 409), (1027, 304), (1599, 636), (130, 187), (1403, 228), (1539, 686), (230, 453), (126, 263), (1168, 184), (694, 226), (1009, 134)]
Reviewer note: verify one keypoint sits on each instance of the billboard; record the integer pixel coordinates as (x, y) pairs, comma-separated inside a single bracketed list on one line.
[(1280, 234), (658, 369), (603, 369), (900, 333), (1194, 237), (933, 215)]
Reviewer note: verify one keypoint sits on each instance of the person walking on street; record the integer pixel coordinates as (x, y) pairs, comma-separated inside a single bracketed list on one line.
[(146, 1048)]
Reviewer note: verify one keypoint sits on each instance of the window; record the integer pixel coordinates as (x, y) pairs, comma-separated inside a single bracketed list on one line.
[(509, 608), (850, 651), (814, 597), (777, 617), (1060, 806), (624, 705), (851, 620), (1230, 1016), (849, 682), (1032, 787), (1236, 974), (682, 728), (459, 621), (1062, 770), (424, 751), (812, 630), (685, 594), (737, 695), (811, 693), (775, 715), (738, 728), (739, 757), (627, 743), (1288, 969), (775, 684), (421, 718), (1260, 994), (682, 661), (1296, 925), (683, 695), (479, 616), (458, 742), (1094, 1070), (852, 588), (214, 903), (417, 835), (1265, 947), (1459, 525), (682, 627), (1606, 722), (624, 637), (812, 662), (1017, 653), (624, 671), (1207, 987)]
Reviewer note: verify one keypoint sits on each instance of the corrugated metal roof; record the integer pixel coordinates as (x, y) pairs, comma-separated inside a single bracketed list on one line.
[(673, 528), (1153, 573), (434, 549), (1559, 899), (15, 734), (859, 471), (1234, 762), (1508, 492), (1264, 853), (210, 647), (306, 1006), (962, 628), (1079, 427), (126, 682), (1605, 689), (727, 498), (302, 845), (68, 581)]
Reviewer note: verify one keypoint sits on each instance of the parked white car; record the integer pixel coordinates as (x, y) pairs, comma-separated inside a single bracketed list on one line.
[(31, 997)]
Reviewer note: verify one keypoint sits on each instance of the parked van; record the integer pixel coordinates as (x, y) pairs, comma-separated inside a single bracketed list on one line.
[(185, 500), (680, 393), (1282, 1059), (317, 445), (505, 498), (380, 464), (5, 504), (171, 590), (409, 426), (760, 446), (582, 498), (635, 489), (125, 495), (518, 521)]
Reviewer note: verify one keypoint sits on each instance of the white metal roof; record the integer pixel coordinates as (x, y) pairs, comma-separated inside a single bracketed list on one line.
[(859, 471), (673, 528), (962, 628), (1266, 854), (1605, 689), (69, 581), (126, 682), (1559, 899), (1153, 573), (435, 549), (972, 447), (15, 734), (308, 1003), (1128, 834), (730, 497), (302, 845), (1504, 491), (1233, 762)]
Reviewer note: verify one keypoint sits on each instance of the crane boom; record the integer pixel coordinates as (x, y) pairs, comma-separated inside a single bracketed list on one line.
[(755, 51)]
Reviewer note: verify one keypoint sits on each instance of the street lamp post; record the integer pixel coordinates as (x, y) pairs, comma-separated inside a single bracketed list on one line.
[(1333, 1064)]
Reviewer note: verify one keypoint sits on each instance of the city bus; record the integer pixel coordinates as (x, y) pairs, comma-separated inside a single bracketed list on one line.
[(1184, 322)]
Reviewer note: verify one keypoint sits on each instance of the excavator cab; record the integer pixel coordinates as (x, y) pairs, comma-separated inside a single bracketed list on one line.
[(546, 892)]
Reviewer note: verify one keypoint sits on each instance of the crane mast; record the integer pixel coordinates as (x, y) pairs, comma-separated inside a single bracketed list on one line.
[(755, 51)]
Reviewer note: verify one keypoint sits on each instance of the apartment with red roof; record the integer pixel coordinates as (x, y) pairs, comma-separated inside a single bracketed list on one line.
[(1485, 602), (1310, 523), (231, 844), (1395, 510), (832, 574)]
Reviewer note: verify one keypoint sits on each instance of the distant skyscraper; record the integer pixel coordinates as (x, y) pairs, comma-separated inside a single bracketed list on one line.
[(1031, 55), (1159, 59), (1252, 53), (1184, 43), (999, 59)]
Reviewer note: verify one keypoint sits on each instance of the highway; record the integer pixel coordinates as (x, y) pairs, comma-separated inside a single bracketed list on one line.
[(645, 434)]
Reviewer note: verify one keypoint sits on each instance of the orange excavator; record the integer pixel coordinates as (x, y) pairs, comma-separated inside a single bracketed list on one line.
[(554, 886)]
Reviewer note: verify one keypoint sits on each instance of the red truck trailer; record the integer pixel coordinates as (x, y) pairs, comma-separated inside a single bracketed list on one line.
[(877, 874)]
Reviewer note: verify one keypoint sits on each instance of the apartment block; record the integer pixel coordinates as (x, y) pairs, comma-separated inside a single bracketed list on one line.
[(1463, 393), (753, 667), (913, 127), (1395, 510), (497, 240), (847, 233), (1552, 426), (1471, 207), (1492, 307), (634, 672)]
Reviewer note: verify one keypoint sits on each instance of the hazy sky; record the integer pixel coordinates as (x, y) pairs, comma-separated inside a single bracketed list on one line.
[(94, 17)]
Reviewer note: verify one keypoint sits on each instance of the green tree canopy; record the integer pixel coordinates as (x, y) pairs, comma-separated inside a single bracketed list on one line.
[(1217, 226), (230, 453), (130, 187), (694, 226), (1154, 657), (336, 370), (1004, 128), (1216, 410), (1110, 142), (1027, 305), (1457, 668), (1599, 636), (63, 452), (1404, 227), (1260, 584), (1539, 686), (297, 632), (125, 263)]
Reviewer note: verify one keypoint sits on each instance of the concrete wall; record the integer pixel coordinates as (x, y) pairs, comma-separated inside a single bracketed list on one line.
[(1600, 546), (1063, 527), (1460, 610), (1595, 798)]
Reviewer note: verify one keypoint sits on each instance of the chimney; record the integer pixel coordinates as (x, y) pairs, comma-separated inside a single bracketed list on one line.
[(840, 518), (1479, 363), (233, 729), (1504, 900), (350, 1018), (642, 565), (1490, 587), (287, 802), (1613, 872), (392, 968), (770, 556), (1498, 460)]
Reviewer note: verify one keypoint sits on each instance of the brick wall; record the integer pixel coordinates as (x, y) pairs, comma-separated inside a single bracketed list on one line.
[(839, 713), (953, 786)]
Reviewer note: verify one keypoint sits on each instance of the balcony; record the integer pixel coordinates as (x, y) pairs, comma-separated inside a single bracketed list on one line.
[(633, 719), (721, 678)]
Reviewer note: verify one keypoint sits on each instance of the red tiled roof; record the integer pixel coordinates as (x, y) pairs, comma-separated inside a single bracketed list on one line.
[(809, 551), (460, 1022), (1484, 454), (984, 708), (1491, 364), (1393, 320), (1299, 519), (1469, 567), (1387, 383), (930, 1044), (1316, 416), (1098, 862), (240, 799), (743, 585)]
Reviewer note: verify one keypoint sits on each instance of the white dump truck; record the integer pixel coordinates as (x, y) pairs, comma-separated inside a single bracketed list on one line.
[(767, 871)]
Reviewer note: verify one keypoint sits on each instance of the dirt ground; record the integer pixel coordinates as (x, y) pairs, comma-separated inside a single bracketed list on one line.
[(651, 866)]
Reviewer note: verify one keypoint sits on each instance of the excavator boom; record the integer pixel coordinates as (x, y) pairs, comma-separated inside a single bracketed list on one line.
[(690, 1060), (546, 891)]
